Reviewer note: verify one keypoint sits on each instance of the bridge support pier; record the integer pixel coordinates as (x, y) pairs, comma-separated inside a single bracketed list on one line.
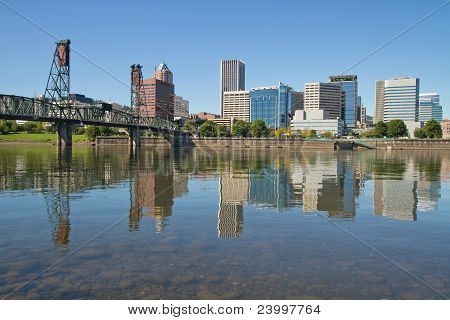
[(134, 139), (64, 131), (178, 139)]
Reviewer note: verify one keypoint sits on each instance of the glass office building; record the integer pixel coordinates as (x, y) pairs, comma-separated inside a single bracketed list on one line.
[(429, 107), (398, 99), (349, 85), (271, 104)]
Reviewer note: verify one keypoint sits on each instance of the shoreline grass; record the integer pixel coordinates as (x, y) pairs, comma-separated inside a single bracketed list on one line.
[(37, 137)]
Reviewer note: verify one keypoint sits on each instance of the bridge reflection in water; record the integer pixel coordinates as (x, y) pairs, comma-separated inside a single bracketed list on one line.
[(403, 184)]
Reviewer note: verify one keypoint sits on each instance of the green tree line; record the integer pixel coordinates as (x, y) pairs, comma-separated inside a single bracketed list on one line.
[(240, 128), (397, 128)]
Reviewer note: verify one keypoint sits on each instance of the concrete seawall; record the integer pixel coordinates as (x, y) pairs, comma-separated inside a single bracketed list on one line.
[(383, 144), (225, 142), (124, 140), (416, 144)]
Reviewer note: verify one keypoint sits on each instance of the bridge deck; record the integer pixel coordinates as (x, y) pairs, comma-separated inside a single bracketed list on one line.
[(30, 109)]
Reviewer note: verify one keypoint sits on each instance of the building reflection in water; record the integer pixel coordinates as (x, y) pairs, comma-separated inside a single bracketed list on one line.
[(404, 183), (155, 185), (326, 184), (233, 194)]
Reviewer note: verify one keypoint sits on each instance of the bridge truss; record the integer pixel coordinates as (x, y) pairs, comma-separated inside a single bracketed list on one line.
[(57, 107), (31, 109)]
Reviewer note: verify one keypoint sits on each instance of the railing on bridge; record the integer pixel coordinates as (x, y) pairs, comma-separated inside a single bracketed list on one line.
[(23, 108)]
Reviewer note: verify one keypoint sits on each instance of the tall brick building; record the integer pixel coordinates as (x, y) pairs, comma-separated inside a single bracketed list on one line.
[(158, 94)]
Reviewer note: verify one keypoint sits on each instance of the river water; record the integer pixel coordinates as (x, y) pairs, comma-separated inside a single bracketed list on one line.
[(228, 224)]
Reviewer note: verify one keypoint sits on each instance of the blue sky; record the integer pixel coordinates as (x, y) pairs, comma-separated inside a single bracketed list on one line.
[(289, 41)]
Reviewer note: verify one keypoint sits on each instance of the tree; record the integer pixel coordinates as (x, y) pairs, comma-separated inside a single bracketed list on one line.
[(178, 123), (288, 132), (107, 131), (432, 129), (328, 134), (50, 128), (381, 129), (270, 132), (79, 130), (39, 128), (279, 132), (304, 134), (207, 129), (8, 126), (13, 127), (312, 133), (241, 128), (420, 133), (222, 131), (369, 134), (396, 128), (258, 129), (190, 126), (29, 126), (92, 132)]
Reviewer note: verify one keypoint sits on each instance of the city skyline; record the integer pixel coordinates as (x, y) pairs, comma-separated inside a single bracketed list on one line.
[(293, 67)]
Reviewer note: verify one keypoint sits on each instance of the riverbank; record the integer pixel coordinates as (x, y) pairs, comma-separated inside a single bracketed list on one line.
[(252, 143), (24, 137), (259, 143)]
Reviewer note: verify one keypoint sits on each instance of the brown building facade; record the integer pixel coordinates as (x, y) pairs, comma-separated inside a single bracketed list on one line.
[(207, 116), (158, 99)]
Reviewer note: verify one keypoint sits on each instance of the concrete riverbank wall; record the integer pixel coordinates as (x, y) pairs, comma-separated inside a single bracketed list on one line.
[(415, 144), (225, 142), (124, 140), (383, 144)]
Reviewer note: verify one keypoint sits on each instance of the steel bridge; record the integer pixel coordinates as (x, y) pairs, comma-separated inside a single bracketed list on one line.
[(57, 107), (31, 109)]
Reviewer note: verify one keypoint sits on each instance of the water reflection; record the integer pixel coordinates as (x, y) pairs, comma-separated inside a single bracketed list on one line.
[(404, 183), (198, 215)]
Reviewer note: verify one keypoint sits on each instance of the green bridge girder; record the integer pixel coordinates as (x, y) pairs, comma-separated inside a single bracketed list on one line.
[(29, 109)]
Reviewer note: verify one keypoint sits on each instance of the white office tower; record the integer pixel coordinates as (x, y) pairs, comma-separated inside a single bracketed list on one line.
[(429, 107), (397, 99), (232, 78)]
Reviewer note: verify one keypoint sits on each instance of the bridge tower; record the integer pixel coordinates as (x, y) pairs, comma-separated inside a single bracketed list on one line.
[(57, 90), (136, 102), (58, 83), (136, 87)]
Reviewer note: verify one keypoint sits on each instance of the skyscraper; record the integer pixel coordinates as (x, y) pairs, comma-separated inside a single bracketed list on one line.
[(158, 99), (349, 84), (359, 110), (429, 107), (158, 94), (271, 104), (236, 105), (363, 117), (379, 101), (324, 96), (397, 98), (181, 109), (163, 73), (297, 101), (232, 78)]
